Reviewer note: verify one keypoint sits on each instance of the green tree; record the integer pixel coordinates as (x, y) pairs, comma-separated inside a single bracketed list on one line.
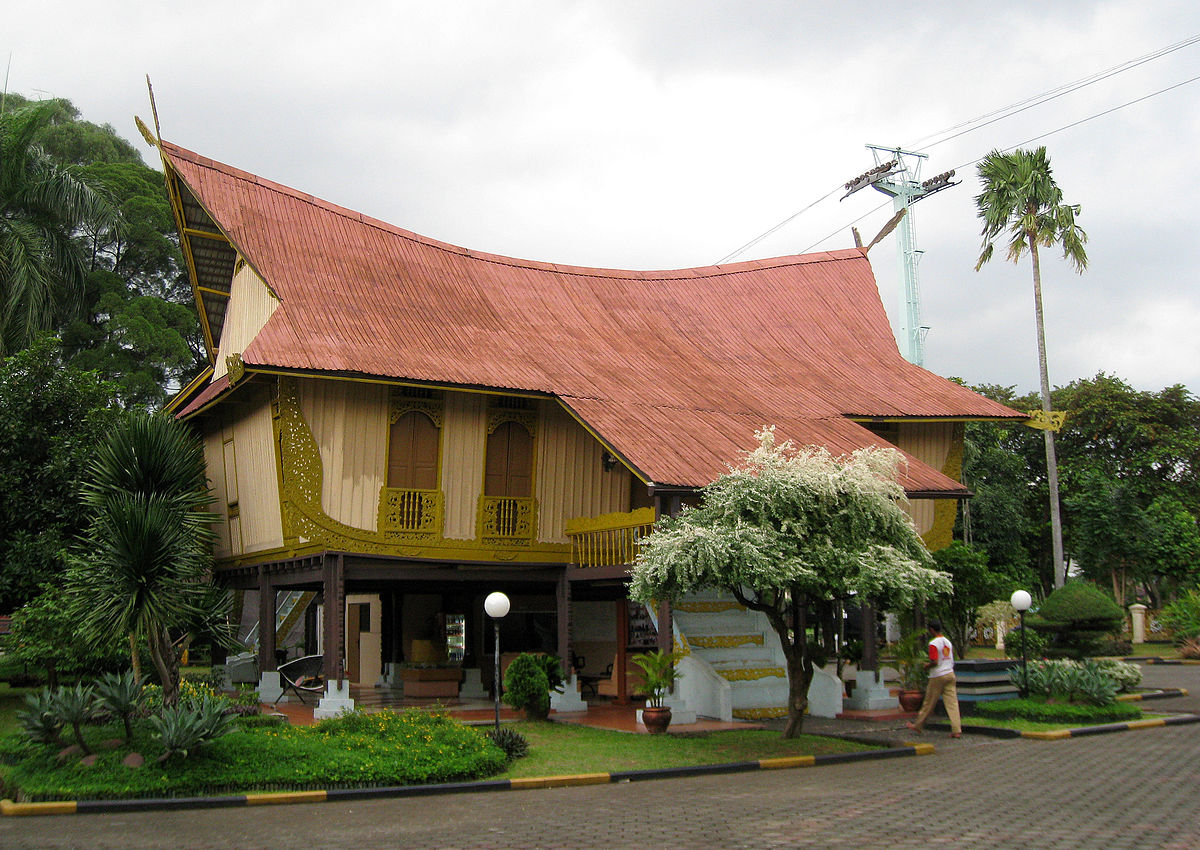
[(44, 635), (976, 583), (1021, 199), (52, 416), (42, 207), (788, 529), (145, 567)]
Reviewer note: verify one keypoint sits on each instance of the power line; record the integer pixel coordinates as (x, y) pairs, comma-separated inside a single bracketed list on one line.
[(1047, 96), (1007, 111)]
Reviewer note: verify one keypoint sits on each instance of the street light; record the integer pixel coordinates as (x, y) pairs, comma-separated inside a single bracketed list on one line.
[(496, 605), (1021, 600)]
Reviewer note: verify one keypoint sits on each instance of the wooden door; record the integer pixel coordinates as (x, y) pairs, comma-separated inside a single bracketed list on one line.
[(413, 452), (509, 469)]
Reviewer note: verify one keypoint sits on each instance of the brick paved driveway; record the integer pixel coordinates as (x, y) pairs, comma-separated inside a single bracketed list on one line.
[(1135, 789)]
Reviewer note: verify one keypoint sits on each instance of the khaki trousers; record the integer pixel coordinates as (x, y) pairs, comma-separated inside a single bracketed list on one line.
[(946, 688)]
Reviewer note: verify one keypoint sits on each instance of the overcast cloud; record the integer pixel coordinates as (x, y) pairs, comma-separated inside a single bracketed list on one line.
[(666, 134)]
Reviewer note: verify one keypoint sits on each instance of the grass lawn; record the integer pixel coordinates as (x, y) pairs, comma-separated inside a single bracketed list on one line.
[(1041, 726), (560, 748), (11, 699)]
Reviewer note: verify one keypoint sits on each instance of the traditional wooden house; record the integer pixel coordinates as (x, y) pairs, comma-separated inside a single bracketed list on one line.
[(396, 427)]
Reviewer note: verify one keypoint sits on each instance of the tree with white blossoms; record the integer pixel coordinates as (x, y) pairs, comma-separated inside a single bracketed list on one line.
[(794, 528)]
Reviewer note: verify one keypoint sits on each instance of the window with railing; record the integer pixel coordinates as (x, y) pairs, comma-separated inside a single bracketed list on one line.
[(507, 517), (411, 503)]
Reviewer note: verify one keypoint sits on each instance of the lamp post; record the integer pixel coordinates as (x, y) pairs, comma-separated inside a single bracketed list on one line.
[(1021, 600), (496, 606)]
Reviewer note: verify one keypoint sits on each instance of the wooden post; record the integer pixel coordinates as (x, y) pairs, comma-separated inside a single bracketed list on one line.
[(266, 622), (622, 645), (562, 597), (335, 617)]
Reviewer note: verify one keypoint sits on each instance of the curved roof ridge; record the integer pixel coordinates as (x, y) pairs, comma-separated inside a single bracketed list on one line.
[(685, 273)]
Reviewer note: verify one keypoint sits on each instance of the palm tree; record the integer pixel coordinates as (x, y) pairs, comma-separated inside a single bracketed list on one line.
[(42, 206), (146, 571), (1020, 198)]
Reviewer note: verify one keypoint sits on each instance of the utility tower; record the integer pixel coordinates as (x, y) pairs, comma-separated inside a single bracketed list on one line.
[(897, 173)]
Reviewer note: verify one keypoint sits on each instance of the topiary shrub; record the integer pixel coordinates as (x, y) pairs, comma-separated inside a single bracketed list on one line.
[(528, 682), (1080, 619)]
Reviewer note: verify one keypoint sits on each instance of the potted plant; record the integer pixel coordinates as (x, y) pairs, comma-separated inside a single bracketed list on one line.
[(912, 653), (659, 674)]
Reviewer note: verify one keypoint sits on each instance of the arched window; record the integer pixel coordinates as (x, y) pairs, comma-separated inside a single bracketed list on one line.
[(413, 447), (509, 469)]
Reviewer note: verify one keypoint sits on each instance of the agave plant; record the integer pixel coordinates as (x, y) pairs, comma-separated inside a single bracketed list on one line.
[(40, 718), (76, 706), (121, 693), (183, 728)]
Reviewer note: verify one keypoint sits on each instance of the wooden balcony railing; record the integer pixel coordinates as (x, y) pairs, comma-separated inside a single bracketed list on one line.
[(507, 518), (610, 539), (409, 512)]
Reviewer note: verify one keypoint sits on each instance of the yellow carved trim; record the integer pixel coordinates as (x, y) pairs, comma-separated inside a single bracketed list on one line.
[(497, 416), (407, 514), (726, 641), (399, 405), (307, 528), (749, 674), (606, 522), (506, 520), (707, 607), (945, 511), (235, 367), (1044, 421)]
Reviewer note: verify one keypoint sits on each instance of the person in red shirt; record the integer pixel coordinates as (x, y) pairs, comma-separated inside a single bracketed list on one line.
[(942, 684)]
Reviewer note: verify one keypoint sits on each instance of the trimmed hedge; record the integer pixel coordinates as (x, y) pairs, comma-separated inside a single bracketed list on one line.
[(1057, 712)]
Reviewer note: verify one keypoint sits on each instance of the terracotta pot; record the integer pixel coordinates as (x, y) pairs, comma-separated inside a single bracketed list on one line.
[(911, 700), (656, 720)]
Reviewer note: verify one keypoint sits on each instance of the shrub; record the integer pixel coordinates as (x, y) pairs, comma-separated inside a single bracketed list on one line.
[(1033, 641), (1189, 648), (1094, 682), (40, 719), (1182, 616), (76, 706), (510, 741), (1126, 676), (185, 727), (528, 682), (120, 694), (1052, 712), (1079, 617)]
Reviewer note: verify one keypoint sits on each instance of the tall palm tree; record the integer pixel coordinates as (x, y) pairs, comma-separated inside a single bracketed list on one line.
[(145, 571), (1021, 199), (42, 206)]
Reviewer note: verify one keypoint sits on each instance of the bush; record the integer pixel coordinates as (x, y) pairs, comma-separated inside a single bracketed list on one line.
[(1094, 682), (1080, 618), (528, 682), (513, 744), (1182, 616), (1050, 712), (1033, 641)]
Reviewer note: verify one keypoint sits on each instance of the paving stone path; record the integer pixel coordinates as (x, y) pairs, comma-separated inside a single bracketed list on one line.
[(1133, 789)]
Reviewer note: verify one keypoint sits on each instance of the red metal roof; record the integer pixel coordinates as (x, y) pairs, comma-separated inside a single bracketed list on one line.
[(675, 369)]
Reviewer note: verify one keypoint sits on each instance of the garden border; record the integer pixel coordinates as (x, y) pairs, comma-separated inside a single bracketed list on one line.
[(8, 808)]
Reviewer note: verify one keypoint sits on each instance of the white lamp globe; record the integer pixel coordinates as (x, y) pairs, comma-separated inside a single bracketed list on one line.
[(496, 605), (1021, 600)]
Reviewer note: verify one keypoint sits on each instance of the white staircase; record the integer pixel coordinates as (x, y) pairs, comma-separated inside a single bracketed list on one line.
[(740, 647)]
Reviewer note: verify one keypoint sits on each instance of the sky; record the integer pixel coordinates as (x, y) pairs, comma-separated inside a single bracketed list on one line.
[(656, 135)]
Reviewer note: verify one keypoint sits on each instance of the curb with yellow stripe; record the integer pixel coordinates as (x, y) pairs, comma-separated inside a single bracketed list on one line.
[(72, 807), (1107, 728)]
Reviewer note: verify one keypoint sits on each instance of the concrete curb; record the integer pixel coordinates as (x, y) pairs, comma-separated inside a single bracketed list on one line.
[(1108, 728), (78, 807), (1163, 693)]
